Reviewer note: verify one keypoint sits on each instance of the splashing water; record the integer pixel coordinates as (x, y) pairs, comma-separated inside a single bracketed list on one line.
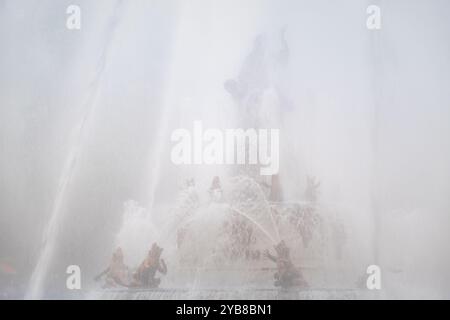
[(219, 245), (37, 281)]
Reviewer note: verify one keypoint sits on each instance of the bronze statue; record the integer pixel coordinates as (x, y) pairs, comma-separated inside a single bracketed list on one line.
[(287, 275)]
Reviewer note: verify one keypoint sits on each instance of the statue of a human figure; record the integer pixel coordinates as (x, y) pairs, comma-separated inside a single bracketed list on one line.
[(287, 275)]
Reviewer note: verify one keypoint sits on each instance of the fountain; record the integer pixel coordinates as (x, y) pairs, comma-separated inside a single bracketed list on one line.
[(35, 288), (216, 247), (88, 114)]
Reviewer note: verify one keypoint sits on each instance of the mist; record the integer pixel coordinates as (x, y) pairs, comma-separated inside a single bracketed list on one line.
[(86, 118)]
